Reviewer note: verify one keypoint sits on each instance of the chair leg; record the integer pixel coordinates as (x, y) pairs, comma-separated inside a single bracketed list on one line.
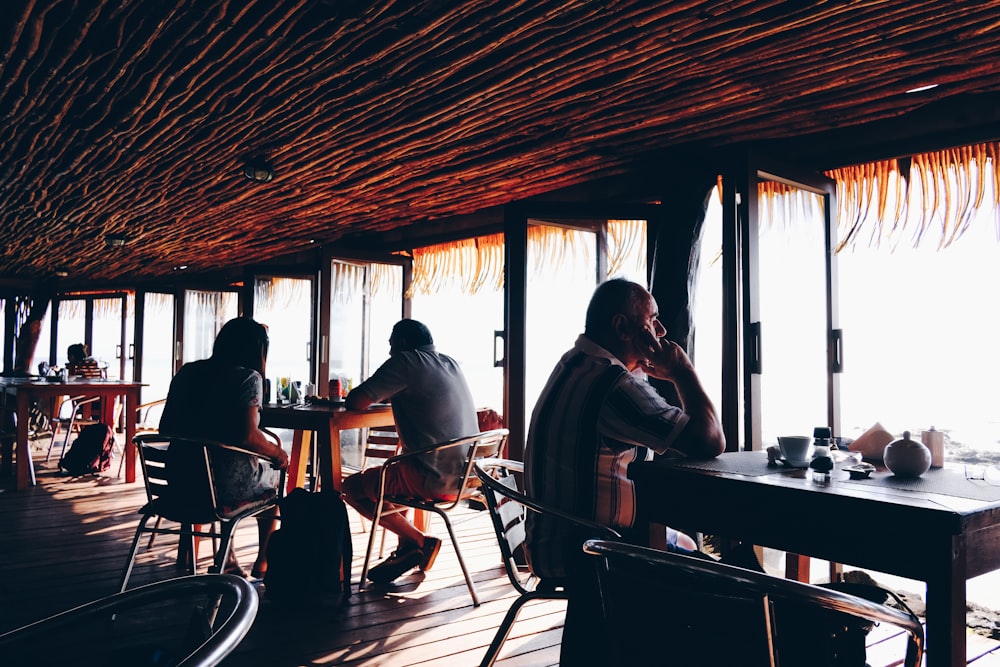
[(371, 543), (503, 631), (225, 544), (152, 535), (461, 561), (69, 430), (127, 572), (31, 467), (52, 440)]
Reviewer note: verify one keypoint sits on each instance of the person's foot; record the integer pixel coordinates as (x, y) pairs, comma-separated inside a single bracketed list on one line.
[(432, 546), (232, 566), (259, 569), (403, 559)]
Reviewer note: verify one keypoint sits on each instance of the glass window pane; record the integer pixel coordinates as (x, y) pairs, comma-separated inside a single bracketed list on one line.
[(706, 306), (71, 328), (792, 251), (557, 299), (157, 345), (467, 338), (204, 315), (284, 305), (347, 320), (107, 334)]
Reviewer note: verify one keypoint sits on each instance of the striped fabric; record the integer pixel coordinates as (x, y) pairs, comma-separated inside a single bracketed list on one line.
[(591, 421)]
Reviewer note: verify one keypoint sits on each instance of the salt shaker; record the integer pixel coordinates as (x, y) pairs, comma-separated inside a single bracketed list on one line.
[(935, 442)]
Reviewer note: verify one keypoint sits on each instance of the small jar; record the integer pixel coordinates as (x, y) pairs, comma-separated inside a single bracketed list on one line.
[(821, 467)]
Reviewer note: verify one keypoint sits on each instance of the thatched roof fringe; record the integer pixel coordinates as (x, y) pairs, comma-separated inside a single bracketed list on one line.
[(473, 265), (939, 191)]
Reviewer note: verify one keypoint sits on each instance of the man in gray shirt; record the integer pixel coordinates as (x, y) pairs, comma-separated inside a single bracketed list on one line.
[(431, 404)]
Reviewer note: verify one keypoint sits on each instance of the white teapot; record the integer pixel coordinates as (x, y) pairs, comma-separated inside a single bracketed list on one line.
[(907, 458)]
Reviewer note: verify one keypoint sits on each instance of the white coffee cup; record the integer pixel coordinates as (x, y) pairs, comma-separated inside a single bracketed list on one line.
[(796, 449)]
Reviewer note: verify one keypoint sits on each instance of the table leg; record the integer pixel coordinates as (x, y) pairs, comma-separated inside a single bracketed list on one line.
[(332, 468), (297, 462), (797, 567), (23, 453), (946, 610), (130, 403)]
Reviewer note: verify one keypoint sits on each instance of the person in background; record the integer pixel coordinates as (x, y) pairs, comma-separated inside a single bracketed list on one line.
[(79, 363), (431, 404), (595, 416), (219, 399)]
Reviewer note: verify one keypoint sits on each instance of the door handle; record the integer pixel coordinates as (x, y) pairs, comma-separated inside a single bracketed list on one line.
[(838, 351), (755, 348), (498, 358)]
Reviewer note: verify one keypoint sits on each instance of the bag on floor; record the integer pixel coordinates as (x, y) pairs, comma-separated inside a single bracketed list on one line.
[(91, 452), (309, 556), (827, 638)]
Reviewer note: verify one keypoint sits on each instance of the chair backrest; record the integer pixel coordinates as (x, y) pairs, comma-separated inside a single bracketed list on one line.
[(380, 444), (698, 601), (187, 500), (147, 415), (478, 446), (88, 369), (508, 509), (179, 478)]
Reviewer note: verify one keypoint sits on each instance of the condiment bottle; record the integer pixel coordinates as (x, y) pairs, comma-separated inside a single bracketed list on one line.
[(823, 437)]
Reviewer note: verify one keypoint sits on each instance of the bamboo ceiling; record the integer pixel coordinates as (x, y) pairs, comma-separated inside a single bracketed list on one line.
[(135, 117)]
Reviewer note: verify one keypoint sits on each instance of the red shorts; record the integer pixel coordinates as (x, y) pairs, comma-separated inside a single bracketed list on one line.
[(400, 480)]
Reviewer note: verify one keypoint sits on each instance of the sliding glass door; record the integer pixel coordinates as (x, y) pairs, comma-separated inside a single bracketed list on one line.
[(782, 355), (792, 259)]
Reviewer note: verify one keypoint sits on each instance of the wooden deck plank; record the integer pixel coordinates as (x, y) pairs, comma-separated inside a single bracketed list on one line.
[(65, 541)]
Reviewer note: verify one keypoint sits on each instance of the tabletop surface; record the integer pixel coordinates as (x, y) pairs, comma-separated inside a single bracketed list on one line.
[(310, 407), (943, 488), (38, 381)]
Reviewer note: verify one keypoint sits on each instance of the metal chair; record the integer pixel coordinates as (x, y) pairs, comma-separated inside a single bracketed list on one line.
[(147, 420), (709, 613), (193, 621), (381, 444), (509, 509), (190, 501), (478, 446), (70, 415)]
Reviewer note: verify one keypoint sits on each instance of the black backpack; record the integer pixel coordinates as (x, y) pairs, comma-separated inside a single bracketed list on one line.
[(309, 556), (91, 452)]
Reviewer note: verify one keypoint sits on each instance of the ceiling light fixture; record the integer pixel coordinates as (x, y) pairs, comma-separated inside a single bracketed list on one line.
[(115, 240), (921, 89), (258, 169), (61, 273)]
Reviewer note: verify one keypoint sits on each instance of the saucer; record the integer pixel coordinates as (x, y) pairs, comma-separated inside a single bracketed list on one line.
[(860, 470), (793, 464)]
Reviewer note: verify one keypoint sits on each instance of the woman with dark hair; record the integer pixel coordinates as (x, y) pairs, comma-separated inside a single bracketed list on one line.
[(219, 399)]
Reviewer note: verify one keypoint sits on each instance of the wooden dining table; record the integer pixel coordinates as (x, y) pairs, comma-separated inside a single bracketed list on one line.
[(23, 390), (326, 422), (939, 528)]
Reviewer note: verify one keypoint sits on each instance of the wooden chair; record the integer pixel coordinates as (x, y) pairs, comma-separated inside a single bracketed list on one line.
[(712, 614), (193, 502), (478, 446), (509, 509)]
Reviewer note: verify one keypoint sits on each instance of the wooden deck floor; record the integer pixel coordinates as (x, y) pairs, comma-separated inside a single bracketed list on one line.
[(64, 542)]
